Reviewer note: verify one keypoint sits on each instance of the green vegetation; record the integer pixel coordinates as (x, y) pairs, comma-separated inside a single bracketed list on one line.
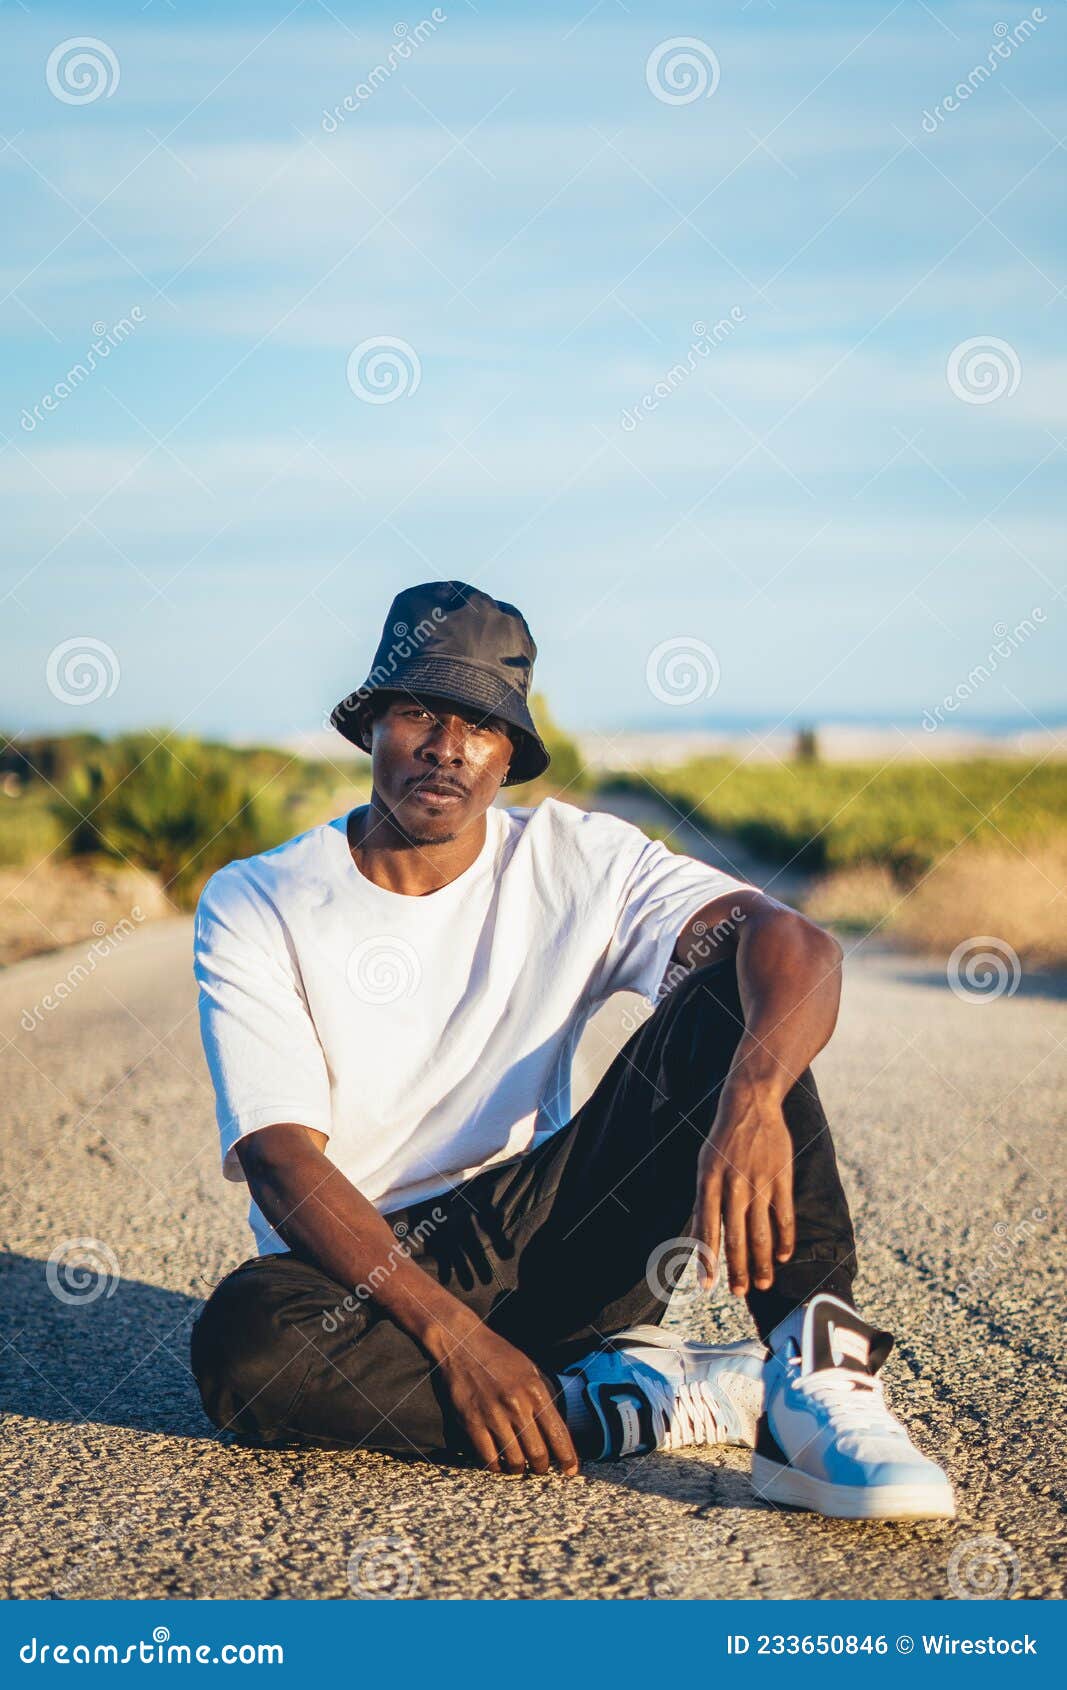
[(566, 772), (174, 805), (904, 815), (29, 827)]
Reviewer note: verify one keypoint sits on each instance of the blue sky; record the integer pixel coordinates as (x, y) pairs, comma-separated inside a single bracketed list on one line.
[(813, 500)]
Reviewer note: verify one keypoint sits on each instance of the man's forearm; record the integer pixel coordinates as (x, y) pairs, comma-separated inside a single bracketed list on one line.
[(322, 1215), (789, 982), (789, 979)]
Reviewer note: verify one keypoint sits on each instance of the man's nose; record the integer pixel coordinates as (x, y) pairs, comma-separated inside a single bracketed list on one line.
[(447, 742)]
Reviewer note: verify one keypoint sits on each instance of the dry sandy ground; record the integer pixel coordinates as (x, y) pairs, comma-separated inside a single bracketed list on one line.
[(948, 1116)]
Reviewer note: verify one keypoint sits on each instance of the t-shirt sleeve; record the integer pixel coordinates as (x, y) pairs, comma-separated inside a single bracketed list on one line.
[(661, 892), (262, 1050)]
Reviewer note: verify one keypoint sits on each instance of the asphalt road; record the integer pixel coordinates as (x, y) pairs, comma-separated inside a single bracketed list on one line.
[(949, 1122)]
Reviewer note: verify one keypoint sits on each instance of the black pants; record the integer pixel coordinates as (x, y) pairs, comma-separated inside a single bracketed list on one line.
[(553, 1251)]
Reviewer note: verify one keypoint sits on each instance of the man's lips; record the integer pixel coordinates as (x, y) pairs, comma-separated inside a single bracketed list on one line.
[(439, 789)]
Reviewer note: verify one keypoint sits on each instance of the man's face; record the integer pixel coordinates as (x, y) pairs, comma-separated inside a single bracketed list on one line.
[(437, 766)]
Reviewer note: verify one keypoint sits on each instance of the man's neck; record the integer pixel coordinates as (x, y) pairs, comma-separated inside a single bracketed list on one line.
[(414, 867)]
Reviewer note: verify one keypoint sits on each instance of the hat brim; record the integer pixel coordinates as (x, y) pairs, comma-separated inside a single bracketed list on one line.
[(452, 680)]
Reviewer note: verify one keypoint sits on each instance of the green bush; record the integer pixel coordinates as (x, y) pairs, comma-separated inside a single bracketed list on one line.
[(566, 770), (904, 815), (47, 757), (176, 806), (30, 830)]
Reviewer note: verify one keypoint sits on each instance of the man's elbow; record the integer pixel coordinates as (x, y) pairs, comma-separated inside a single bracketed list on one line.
[(828, 950), (808, 941), (270, 1152)]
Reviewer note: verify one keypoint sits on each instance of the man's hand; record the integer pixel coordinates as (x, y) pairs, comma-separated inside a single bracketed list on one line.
[(504, 1402), (745, 1187), (506, 1406)]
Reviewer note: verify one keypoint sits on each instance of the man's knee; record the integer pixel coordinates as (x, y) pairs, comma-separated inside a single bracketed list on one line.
[(248, 1360)]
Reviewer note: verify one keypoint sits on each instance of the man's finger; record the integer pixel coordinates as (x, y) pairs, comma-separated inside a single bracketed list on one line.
[(760, 1244), (533, 1443), (512, 1456), (734, 1212), (554, 1430), (784, 1216), (707, 1228), (484, 1447)]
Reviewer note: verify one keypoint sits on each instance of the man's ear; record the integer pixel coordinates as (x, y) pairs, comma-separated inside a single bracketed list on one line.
[(365, 717)]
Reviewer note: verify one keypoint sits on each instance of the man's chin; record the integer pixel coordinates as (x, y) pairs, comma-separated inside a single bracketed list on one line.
[(422, 839), (421, 829)]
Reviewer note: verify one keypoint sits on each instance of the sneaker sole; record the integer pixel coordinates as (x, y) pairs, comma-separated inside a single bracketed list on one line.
[(787, 1486)]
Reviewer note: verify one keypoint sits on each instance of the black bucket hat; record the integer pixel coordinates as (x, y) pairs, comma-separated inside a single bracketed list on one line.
[(448, 641)]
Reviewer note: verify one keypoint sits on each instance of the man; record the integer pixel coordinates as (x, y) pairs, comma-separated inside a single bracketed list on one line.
[(451, 1264)]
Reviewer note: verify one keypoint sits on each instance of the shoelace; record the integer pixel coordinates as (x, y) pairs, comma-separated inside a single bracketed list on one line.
[(852, 1401), (684, 1416)]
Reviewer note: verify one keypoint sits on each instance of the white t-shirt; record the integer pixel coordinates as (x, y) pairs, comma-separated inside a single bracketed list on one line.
[(430, 1036)]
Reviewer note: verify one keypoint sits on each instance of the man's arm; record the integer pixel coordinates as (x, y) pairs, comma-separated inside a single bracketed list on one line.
[(503, 1400), (789, 980)]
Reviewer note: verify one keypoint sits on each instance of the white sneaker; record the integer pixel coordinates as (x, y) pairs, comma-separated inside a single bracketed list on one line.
[(647, 1389), (827, 1441)]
